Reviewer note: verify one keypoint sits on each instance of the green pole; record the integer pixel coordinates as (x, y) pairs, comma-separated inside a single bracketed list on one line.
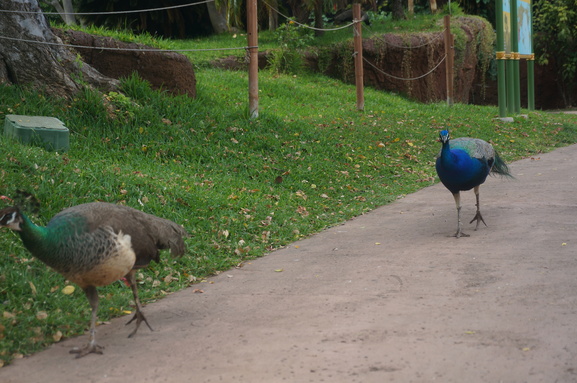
[(531, 69), (500, 57), (510, 70), (515, 57), (510, 84), (531, 83)]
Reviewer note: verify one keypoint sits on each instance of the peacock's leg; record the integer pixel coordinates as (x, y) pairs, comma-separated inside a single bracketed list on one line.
[(478, 217), (139, 316), (459, 232), (92, 346)]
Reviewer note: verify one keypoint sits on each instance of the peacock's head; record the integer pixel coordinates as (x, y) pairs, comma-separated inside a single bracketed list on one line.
[(444, 136), (11, 218)]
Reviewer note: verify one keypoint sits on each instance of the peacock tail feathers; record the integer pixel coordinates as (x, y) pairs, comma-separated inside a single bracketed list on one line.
[(500, 167)]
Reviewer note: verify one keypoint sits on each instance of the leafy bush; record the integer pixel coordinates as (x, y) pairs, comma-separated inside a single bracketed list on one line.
[(287, 58), (555, 37)]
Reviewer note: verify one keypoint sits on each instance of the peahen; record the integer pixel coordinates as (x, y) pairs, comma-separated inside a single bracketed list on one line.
[(464, 164), (95, 244)]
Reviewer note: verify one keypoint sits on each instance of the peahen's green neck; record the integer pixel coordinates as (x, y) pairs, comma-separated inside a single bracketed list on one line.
[(34, 237), (50, 244)]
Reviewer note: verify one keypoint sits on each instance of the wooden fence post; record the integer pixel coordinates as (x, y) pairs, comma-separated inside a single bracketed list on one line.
[(358, 45), (449, 59), (252, 38)]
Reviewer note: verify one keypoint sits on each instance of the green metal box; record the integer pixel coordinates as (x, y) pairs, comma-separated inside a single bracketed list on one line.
[(46, 132)]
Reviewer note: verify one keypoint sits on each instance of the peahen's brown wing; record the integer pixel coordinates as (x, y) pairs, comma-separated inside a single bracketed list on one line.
[(148, 233)]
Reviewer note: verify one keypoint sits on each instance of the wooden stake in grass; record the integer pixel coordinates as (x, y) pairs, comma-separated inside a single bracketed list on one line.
[(358, 42), (252, 37)]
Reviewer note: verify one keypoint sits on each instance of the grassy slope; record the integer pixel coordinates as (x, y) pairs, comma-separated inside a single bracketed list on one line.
[(241, 187)]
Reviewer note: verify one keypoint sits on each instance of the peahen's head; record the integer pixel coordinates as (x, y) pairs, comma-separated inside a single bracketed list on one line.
[(444, 136), (11, 218)]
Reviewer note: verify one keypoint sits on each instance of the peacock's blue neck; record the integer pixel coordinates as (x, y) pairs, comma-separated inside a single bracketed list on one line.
[(458, 170), (456, 159)]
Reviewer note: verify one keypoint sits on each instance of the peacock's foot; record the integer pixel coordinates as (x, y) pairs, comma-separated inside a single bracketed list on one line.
[(460, 234), (139, 316), (90, 348), (479, 218)]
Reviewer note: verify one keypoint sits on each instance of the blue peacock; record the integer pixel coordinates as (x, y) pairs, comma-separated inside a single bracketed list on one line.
[(464, 164), (95, 244)]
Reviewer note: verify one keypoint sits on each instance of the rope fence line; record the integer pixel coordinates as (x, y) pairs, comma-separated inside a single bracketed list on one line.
[(403, 78), (437, 36), (108, 13), (308, 26), (374, 34), (125, 49), (246, 48)]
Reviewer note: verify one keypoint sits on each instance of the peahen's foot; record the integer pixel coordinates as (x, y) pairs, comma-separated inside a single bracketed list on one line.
[(479, 218), (90, 348), (139, 316)]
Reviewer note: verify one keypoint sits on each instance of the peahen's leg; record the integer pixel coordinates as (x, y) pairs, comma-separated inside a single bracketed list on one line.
[(139, 316), (459, 233), (92, 346), (478, 217)]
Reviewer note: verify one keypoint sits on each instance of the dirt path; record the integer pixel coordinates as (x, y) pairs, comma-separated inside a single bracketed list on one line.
[(386, 297)]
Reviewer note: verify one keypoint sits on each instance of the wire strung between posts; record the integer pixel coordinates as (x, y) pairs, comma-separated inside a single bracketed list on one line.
[(401, 78), (124, 49), (308, 26), (109, 13)]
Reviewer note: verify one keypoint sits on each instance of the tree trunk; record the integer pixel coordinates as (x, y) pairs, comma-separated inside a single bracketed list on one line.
[(433, 5), (217, 18), (271, 8), (40, 61), (65, 10), (411, 8), (299, 12), (318, 12), (398, 11)]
